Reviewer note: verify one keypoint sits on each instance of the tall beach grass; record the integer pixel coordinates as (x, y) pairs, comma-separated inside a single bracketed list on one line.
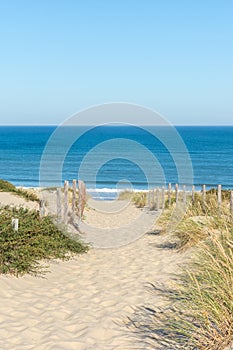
[(199, 311)]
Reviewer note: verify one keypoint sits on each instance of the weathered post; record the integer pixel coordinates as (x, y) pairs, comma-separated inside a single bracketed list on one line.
[(59, 208), (149, 199), (153, 200), (81, 198), (169, 194), (163, 197), (73, 199), (15, 224), (219, 199), (157, 198), (66, 201), (177, 193), (204, 198), (42, 208)]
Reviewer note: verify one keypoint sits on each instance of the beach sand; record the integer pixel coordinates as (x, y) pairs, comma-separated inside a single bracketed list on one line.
[(7, 198), (82, 304)]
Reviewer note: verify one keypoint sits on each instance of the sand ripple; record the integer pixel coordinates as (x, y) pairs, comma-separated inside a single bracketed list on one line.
[(82, 303)]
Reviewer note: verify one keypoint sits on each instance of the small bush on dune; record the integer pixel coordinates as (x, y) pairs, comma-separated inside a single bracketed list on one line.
[(126, 195), (139, 199), (36, 239), (6, 186), (199, 221)]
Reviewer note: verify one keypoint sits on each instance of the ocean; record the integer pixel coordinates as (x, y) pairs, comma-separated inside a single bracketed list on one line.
[(112, 158)]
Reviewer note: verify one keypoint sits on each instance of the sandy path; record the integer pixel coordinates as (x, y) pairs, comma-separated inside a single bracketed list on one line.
[(111, 224), (82, 303), (7, 198)]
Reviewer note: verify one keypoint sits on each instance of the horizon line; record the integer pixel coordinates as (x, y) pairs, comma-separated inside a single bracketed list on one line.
[(112, 124)]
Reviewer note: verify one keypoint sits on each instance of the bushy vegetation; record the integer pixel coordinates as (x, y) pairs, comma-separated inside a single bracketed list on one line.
[(6, 186), (201, 219), (138, 198), (126, 195), (36, 239), (199, 311)]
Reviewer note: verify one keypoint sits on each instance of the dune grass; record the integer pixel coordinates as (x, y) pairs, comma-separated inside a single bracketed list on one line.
[(200, 219), (36, 239), (199, 311), (125, 195), (6, 186), (138, 198)]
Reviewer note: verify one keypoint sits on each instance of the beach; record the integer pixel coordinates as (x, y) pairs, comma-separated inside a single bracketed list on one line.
[(84, 303), (116, 175)]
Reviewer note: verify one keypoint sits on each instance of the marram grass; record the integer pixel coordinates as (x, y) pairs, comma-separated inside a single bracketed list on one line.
[(200, 220), (6, 186), (199, 311), (138, 198)]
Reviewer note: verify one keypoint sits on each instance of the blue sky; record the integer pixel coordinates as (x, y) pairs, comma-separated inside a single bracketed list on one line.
[(174, 56)]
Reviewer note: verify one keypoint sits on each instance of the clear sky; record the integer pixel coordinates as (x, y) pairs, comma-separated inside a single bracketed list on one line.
[(60, 56)]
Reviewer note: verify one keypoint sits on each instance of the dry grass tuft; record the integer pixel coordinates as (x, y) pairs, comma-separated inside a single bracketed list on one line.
[(199, 313)]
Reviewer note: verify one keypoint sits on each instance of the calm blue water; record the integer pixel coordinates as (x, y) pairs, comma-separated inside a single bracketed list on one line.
[(210, 149)]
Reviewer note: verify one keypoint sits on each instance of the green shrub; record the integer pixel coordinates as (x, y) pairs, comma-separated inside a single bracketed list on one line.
[(199, 220), (36, 239), (126, 195), (6, 186), (139, 199)]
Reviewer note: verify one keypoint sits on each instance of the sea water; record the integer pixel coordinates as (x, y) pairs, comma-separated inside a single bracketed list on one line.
[(210, 149)]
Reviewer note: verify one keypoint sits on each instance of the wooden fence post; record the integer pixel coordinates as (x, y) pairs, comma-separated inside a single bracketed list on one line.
[(148, 199), (157, 198), (42, 208), (81, 198), (219, 198), (15, 224), (73, 199), (59, 210), (163, 197), (204, 198), (66, 201), (177, 193), (169, 194), (153, 200)]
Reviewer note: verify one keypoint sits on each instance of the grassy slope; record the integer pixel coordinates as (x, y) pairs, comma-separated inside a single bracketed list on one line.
[(6, 186), (200, 315), (36, 239)]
